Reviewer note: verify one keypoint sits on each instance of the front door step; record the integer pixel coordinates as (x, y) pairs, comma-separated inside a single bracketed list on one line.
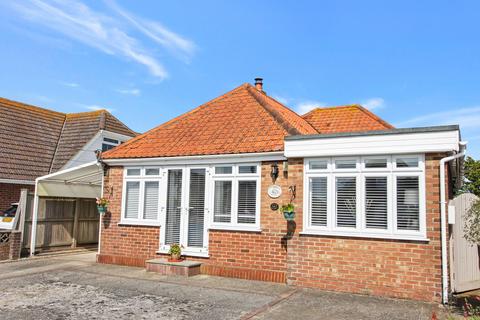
[(183, 268)]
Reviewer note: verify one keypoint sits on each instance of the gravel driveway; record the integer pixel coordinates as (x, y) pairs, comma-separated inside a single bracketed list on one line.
[(75, 287)]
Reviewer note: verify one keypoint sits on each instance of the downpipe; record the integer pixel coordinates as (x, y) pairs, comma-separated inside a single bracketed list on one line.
[(443, 218)]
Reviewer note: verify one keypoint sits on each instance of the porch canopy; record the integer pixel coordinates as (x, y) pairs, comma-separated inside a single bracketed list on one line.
[(83, 181)]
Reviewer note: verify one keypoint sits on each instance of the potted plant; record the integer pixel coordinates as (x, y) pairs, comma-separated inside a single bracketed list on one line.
[(288, 211), (102, 204), (175, 252)]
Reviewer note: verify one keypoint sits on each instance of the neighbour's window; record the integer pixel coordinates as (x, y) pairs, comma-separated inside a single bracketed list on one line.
[(381, 196), (109, 143), (236, 199), (142, 190)]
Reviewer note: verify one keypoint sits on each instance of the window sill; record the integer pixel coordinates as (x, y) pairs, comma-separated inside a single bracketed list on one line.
[(188, 253), (235, 228), (139, 223), (364, 235)]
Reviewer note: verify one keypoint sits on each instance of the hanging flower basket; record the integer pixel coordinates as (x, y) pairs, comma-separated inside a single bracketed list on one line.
[(102, 209), (288, 211), (289, 215), (102, 205)]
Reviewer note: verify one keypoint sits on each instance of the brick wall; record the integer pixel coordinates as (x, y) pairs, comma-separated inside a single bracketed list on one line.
[(10, 246), (122, 244), (402, 269), (10, 193)]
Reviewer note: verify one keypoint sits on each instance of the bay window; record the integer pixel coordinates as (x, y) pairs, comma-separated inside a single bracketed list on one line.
[(236, 197), (374, 196)]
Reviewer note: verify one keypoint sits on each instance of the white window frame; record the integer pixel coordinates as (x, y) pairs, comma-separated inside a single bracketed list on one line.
[(361, 173), (142, 178), (235, 177)]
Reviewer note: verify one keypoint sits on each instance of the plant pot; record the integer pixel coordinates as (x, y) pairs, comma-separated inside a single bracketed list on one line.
[(102, 209), (289, 215), (177, 257)]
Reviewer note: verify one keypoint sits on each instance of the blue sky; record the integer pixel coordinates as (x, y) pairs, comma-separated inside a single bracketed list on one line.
[(414, 63)]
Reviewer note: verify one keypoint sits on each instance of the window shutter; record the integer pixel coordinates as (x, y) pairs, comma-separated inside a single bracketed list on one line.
[(408, 208), (132, 199), (150, 207), (174, 203), (318, 200), (247, 196), (222, 210), (376, 202), (196, 208), (346, 201)]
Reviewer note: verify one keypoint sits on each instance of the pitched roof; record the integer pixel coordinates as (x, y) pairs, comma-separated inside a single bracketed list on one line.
[(351, 118), (36, 141), (243, 120)]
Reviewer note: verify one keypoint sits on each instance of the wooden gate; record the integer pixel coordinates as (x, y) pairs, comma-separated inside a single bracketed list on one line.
[(464, 257), (63, 222)]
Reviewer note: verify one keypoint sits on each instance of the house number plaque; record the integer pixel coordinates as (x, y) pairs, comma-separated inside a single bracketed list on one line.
[(274, 191)]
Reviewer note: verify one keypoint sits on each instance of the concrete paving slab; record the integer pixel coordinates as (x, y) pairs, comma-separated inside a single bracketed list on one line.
[(75, 287)]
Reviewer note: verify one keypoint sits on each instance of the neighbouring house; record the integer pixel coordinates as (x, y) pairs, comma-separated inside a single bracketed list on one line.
[(36, 142), (367, 196)]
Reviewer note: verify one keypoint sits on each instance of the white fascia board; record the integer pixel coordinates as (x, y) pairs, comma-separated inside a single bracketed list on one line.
[(115, 135), (207, 159), (17, 181), (73, 169), (423, 142)]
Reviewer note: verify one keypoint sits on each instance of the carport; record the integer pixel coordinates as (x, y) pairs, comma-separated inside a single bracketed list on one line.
[(64, 210)]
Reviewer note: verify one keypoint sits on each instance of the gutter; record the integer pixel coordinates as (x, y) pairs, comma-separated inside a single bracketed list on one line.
[(443, 218)]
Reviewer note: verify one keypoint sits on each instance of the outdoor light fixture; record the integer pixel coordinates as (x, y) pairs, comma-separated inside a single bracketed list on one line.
[(274, 172)]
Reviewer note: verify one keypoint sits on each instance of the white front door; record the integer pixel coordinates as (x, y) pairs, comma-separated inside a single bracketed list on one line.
[(185, 213)]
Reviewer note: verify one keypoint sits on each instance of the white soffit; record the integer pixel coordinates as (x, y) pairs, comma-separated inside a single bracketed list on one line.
[(395, 141)]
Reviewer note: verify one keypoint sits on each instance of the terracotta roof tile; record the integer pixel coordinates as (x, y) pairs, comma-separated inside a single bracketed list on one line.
[(36, 141), (351, 118), (243, 120)]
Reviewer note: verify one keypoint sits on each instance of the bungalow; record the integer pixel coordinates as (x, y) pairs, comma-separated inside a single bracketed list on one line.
[(369, 215)]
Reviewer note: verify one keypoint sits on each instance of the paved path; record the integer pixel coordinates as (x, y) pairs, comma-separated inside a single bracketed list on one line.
[(75, 287)]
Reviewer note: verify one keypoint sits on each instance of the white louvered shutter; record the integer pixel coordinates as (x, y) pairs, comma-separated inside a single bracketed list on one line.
[(346, 201), (196, 208), (132, 199), (222, 209), (318, 201), (174, 203), (376, 202), (247, 201), (150, 207), (408, 208)]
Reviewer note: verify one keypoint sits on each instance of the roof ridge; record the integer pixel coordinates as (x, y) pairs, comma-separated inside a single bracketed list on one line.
[(177, 118), (374, 116), (19, 104), (277, 117)]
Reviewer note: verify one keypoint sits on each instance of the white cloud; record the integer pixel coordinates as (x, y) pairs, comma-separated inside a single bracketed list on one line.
[(373, 103), (281, 99), (70, 84), (105, 33), (306, 106), (133, 92), (95, 107), (158, 33), (465, 117)]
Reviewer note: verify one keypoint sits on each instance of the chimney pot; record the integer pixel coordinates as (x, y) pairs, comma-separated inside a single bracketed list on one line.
[(259, 84)]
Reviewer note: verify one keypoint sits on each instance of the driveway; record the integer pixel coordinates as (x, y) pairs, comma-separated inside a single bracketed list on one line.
[(73, 286)]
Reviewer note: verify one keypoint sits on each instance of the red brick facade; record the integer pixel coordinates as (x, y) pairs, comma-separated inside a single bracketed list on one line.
[(10, 193), (402, 269)]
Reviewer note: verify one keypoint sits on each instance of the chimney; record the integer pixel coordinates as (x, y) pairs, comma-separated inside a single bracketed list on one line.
[(259, 84)]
